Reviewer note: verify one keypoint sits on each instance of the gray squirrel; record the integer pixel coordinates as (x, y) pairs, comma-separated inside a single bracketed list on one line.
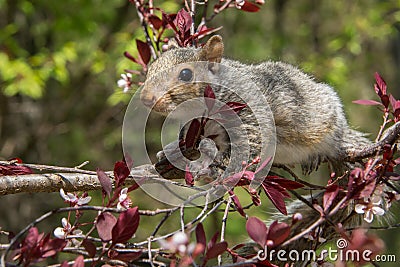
[(310, 123), (309, 120)]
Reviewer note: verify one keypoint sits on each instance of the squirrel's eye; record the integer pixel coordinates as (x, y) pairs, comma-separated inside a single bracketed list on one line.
[(185, 75)]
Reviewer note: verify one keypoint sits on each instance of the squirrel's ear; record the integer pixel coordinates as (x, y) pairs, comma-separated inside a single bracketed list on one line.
[(213, 50), (172, 44)]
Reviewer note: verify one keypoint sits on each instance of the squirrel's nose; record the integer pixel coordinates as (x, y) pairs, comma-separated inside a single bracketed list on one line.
[(148, 99)]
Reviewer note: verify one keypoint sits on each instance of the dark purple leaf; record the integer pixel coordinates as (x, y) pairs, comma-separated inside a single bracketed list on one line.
[(89, 247), (249, 7), (367, 102), (79, 262), (155, 21), (209, 97), (237, 203), (213, 240), (278, 232), (168, 20), (262, 165), (330, 194), (285, 183), (126, 226), (130, 57), (192, 133), (32, 237), (144, 51), (126, 257), (274, 193), (201, 235), (53, 246), (104, 181), (257, 230), (12, 169), (104, 225), (385, 100), (128, 160), (183, 21), (380, 85), (236, 106), (121, 172), (216, 250), (189, 177)]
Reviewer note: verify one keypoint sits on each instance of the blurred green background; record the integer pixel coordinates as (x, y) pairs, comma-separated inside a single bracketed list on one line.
[(60, 60)]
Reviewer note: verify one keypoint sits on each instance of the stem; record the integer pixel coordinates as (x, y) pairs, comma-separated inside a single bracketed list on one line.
[(223, 227)]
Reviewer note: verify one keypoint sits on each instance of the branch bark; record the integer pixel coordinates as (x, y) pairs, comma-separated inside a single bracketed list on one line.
[(52, 182), (390, 136)]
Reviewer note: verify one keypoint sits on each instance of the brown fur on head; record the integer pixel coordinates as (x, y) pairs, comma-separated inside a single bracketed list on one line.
[(164, 87)]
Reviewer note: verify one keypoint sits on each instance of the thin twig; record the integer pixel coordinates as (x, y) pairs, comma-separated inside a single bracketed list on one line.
[(223, 226), (145, 30)]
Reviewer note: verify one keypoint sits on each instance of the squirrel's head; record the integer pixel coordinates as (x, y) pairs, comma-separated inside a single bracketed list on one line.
[(170, 78)]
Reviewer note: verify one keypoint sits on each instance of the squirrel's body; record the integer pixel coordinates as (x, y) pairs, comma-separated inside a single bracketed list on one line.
[(310, 123), (308, 116)]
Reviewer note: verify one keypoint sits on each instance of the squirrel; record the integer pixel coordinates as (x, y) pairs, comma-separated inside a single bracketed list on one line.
[(310, 123)]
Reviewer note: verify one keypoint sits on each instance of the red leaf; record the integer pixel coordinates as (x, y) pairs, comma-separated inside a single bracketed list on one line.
[(126, 226), (168, 20), (274, 193), (262, 165), (213, 240), (183, 21), (121, 172), (237, 203), (231, 108), (133, 187), (216, 250), (257, 230), (236, 106), (53, 246), (104, 181), (192, 133), (200, 235), (367, 102), (128, 160), (330, 195), (285, 183), (209, 97), (278, 232), (64, 264), (14, 170), (385, 100), (380, 85), (89, 247), (130, 57), (249, 7), (32, 237), (126, 257), (144, 51), (189, 177), (155, 21), (79, 262), (104, 225)]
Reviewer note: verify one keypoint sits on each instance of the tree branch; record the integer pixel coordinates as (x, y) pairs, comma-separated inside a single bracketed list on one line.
[(390, 136)]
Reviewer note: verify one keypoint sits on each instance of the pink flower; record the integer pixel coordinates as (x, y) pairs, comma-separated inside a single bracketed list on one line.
[(62, 232), (73, 199), (125, 82), (124, 202), (370, 208)]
